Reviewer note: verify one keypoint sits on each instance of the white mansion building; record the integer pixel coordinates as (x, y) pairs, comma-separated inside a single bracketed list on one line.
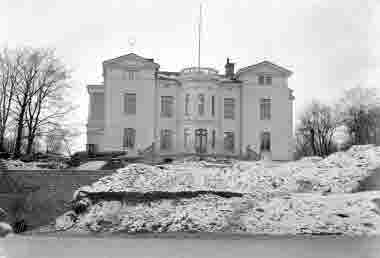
[(194, 111)]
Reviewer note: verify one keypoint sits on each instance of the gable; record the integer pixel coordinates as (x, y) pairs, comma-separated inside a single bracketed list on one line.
[(132, 60), (265, 67)]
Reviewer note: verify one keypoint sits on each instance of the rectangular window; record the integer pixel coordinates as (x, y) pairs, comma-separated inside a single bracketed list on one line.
[(130, 103), (268, 80), (167, 103), (229, 108), (97, 106), (92, 148), (265, 80), (229, 141), (166, 139), (213, 105), (201, 104), (129, 138), (187, 103), (186, 140), (265, 109), (265, 141), (261, 79)]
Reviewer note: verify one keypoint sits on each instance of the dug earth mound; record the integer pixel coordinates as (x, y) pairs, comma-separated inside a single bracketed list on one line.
[(310, 196)]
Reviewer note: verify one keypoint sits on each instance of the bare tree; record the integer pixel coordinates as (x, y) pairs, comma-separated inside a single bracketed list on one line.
[(359, 112), (48, 104), (9, 78), (39, 94), (29, 66), (317, 127)]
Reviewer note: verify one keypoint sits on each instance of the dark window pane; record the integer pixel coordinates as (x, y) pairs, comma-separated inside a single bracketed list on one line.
[(129, 138), (229, 108), (130, 103), (167, 103), (261, 79), (229, 141)]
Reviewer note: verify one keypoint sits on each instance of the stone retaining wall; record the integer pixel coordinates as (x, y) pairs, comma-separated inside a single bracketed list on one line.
[(55, 190)]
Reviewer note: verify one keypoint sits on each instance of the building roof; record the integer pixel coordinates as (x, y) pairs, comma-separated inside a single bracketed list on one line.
[(282, 70), (169, 73), (132, 57)]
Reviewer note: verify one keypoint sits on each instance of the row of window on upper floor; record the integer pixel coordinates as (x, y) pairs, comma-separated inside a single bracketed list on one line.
[(167, 106), (262, 79)]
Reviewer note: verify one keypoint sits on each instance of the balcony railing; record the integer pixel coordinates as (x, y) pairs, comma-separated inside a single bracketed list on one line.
[(199, 70)]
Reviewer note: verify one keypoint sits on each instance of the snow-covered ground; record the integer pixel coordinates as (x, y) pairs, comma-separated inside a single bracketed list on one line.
[(92, 165), (338, 173), (312, 195), (34, 165), (350, 214), (18, 164)]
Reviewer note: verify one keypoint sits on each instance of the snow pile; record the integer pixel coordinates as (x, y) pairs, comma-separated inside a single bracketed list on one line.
[(92, 165), (350, 214), (18, 164), (338, 173), (309, 196)]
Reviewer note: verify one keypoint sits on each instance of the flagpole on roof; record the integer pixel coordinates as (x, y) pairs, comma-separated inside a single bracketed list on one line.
[(199, 37)]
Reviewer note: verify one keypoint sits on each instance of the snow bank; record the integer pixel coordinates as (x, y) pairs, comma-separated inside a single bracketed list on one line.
[(92, 165), (338, 173), (309, 196), (18, 164), (350, 214)]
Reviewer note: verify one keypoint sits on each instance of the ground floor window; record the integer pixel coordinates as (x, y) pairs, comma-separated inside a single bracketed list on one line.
[(201, 140), (229, 141), (166, 139), (265, 141), (129, 138), (92, 148)]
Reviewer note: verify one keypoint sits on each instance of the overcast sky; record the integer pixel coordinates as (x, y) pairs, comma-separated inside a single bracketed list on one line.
[(330, 45)]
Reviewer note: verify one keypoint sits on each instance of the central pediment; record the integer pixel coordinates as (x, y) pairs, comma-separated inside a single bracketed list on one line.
[(132, 60), (265, 67)]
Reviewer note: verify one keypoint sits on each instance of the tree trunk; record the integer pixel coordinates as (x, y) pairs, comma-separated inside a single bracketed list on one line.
[(312, 142), (2, 132), (20, 126), (29, 147)]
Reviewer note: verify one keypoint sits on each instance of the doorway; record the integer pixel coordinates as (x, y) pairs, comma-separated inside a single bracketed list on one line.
[(201, 141), (265, 146)]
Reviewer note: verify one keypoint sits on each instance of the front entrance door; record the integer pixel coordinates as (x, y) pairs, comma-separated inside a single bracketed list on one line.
[(201, 141)]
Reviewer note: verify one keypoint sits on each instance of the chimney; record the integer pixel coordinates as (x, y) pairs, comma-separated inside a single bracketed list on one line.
[(229, 68)]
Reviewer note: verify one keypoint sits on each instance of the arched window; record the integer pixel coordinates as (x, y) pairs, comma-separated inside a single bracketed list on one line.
[(201, 104), (265, 141)]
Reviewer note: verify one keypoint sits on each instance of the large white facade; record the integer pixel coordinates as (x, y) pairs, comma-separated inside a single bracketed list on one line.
[(196, 110)]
